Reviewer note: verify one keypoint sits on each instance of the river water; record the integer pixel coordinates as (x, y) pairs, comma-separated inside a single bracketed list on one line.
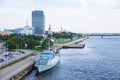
[(99, 60)]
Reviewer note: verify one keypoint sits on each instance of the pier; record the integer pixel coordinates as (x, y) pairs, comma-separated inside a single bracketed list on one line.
[(74, 46)]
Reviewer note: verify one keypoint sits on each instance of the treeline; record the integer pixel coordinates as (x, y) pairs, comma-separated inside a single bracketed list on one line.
[(66, 35), (15, 41)]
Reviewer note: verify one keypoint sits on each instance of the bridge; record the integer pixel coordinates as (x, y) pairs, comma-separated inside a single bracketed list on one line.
[(101, 34)]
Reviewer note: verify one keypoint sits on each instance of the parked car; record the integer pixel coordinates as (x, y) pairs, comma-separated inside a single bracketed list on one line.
[(5, 59), (21, 51), (7, 56), (1, 60), (17, 53), (34, 54)]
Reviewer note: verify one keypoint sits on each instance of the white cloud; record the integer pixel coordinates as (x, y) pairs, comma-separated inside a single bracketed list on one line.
[(105, 4)]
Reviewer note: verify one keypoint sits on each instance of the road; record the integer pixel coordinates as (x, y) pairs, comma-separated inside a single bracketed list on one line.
[(7, 73), (27, 52)]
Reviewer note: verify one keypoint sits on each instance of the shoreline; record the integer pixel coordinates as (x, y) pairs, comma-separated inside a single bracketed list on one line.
[(19, 73)]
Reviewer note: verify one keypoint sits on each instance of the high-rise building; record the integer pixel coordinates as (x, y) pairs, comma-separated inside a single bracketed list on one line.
[(38, 22)]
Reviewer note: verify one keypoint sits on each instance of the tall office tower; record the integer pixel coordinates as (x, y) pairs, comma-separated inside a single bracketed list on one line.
[(38, 22)]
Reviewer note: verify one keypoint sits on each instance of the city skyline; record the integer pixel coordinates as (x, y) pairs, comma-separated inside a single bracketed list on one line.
[(83, 16)]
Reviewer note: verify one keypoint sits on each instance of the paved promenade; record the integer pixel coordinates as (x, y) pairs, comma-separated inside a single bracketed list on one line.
[(7, 73)]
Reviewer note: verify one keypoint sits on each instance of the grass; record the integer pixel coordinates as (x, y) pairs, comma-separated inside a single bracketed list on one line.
[(62, 41), (15, 61), (40, 50)]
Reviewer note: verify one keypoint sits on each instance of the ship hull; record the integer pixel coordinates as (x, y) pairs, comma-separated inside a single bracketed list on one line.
[(51, 64)]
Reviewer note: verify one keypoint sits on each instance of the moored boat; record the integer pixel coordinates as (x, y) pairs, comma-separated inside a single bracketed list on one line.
[(47, 60)]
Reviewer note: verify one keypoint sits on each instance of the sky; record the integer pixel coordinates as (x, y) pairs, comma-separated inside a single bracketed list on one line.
[(81, 16)]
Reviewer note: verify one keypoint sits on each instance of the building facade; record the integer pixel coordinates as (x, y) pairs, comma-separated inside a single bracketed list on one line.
[(26, 30), (3, 33), (38, 22)]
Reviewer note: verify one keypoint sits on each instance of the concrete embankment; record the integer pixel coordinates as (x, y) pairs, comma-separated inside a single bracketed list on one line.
[(17, 70), (75, 41), (73, 44)]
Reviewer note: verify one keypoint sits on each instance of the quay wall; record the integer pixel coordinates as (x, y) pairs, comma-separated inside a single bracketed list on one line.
[(19, 73), (17, 70), (23, 72), (60, 46)]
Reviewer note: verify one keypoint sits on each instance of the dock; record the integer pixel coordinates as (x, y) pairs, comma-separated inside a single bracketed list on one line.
[(76, 41), (74, 46)]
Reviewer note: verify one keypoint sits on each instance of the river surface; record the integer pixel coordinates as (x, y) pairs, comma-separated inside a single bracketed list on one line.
[(99, 60)]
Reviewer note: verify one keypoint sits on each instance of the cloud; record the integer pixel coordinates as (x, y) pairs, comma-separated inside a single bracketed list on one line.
[(38, 4), (17, 4), (57, 3), (104, 4)]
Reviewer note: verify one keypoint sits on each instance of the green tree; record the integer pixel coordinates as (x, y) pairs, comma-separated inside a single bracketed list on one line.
[(11, 44), (15, 42), (45, 44), (49, 35), (32, 43)]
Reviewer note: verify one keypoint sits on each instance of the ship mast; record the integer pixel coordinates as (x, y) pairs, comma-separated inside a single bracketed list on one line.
[(49, 45)]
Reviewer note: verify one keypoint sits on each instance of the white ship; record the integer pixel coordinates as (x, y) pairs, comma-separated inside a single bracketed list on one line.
[(47, 60)]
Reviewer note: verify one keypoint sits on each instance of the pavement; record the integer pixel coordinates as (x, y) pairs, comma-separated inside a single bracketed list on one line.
[(7, 73)]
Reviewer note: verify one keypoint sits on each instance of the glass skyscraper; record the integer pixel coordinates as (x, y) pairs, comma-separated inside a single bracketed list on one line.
[(38, 22)]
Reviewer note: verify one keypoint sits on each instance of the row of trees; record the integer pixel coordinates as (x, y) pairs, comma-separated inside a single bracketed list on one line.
[(25, 42), (62, 35), (66, 35), (7, 37), (16, 41), (20, 42)]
